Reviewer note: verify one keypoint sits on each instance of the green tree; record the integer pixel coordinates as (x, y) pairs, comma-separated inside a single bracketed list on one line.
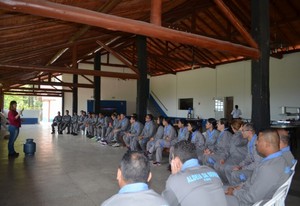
[(26, 102)]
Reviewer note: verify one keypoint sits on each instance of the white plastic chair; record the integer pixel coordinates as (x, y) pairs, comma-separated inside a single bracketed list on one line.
[(294, 165)]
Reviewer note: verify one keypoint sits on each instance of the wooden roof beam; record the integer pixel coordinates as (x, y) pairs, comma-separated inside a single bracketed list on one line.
[(68, 71), (119, 57), (155, 17), (236, 23), (110, 22)]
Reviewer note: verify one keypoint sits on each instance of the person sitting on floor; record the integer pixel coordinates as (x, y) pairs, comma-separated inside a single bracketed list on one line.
[(133, 176)]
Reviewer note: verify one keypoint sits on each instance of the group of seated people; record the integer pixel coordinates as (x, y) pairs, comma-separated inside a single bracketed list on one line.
[(226, 165)]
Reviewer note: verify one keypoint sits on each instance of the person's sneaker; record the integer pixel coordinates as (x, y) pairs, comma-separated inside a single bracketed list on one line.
[(156, 163), (68, 132), (53, 132), (114, 141), (116, 145), (103, 142)]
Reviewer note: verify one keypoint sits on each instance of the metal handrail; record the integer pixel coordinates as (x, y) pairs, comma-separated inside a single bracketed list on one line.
[(159, 100)]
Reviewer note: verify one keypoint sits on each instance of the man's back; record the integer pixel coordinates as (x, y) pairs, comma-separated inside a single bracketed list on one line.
[(193, 186), (145, 198)]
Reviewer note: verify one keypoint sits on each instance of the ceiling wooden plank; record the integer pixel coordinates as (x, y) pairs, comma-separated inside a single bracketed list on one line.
[(67, 71), (84, 16)]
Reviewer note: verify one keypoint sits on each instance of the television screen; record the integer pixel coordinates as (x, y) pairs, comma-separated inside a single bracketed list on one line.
[(185, 104)]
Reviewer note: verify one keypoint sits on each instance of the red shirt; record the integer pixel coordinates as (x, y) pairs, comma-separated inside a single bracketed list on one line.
[(12, 118)]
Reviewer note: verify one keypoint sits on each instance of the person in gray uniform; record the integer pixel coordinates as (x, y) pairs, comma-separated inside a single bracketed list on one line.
[(183, 134), (211, 134), (158, 135), (133, 176), (165, 142), (236, 153), (74, 123), (65, 123), (148, 131), (271, 172), (113, 124), (56, 122), (284, 146), (196, 138), (211, 156), (119, 132), (191, 184), (131, 137), (240, 173), (81, 121)]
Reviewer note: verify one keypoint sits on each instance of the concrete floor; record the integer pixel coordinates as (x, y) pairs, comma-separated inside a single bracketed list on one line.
[(71, 170)]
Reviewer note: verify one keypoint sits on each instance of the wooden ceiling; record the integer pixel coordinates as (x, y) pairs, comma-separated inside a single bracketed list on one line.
[(40, 40)]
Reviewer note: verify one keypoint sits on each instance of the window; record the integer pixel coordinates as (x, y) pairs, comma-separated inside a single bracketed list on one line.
[(185, 104), (219, 105)]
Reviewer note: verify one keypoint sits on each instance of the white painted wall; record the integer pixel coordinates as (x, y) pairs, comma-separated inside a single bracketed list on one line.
[(203, 85), (111, 88), (229, 80)]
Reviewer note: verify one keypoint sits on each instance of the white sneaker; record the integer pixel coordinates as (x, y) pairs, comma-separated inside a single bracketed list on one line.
[(103, 143), (116, 145)]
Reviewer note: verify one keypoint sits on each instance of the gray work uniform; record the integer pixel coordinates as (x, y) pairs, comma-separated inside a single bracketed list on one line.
[(81, 122), (123, 127), (211, 138), (266, 178), (131, 138), (248, 165), (65, 123), (56, 122), (198, 139), (158, 135), (135, 194), (236, 154), (222, 146), (288, 156), (148, 132), (194, 185), (169, 136), (74, 123), (109, 132), (183, 134)]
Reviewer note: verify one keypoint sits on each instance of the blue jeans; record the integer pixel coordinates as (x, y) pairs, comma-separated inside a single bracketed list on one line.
[(13, 134)]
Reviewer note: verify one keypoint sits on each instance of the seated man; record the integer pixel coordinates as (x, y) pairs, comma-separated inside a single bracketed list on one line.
[(74, 123), (65, 123), (271, 172), (148, 131), (191, 184), (56, 122), (133, 175), (240, 173), (131, 137), (284, 146)]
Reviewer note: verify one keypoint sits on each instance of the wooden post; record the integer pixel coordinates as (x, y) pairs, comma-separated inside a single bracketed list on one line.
[(97, 83), (142, 93), (260, 68), (155, 17), (75, 81)]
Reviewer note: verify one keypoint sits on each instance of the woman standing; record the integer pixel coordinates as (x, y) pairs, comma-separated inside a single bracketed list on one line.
[(13, 128)]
